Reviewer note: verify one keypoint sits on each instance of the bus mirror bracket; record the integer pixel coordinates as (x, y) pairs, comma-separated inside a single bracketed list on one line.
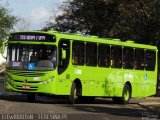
[(63, 54), (3, 48)]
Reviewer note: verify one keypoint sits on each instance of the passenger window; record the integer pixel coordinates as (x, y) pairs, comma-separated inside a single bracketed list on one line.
[(91, 54), (116, 57), (78, 53), (139, 59), (104, 55), (128, 58), (150, 60)]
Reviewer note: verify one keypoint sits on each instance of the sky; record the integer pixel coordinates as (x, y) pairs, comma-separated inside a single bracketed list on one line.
[(34, 12)]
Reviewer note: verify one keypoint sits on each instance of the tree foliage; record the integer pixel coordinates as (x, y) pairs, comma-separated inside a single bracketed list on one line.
[(7, 22), (138, 20)]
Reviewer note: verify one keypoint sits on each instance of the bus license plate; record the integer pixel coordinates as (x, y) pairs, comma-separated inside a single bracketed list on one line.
[(26, 87)]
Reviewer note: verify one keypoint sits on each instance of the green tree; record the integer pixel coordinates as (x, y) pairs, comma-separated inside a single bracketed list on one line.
[(138, 20), (86, 16), (7, 22)]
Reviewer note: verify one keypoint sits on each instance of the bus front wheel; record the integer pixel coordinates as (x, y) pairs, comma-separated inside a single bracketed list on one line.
[(73, 95), (126, 95)]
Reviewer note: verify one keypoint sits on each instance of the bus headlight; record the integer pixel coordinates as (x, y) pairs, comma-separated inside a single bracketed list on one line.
[(47, 81), (9, 79), (41, 83), (51, 79)]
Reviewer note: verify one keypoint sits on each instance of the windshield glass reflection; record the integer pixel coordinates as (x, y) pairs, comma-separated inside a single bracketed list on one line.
[(31, 57)]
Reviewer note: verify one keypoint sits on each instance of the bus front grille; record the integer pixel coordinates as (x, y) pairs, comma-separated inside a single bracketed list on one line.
[(24, 81), (28, 74)]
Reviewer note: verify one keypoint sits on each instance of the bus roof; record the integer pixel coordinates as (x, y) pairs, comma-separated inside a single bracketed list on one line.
[(80, 37)]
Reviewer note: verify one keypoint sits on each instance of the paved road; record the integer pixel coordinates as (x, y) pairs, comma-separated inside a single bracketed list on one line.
[(50, 108), (101, 109)]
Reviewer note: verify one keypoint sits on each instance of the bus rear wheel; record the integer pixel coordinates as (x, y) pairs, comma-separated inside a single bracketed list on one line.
[(126, 95)]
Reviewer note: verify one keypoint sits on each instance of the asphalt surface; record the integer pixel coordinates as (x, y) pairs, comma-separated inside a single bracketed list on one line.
[(101, 109), (50, 108)]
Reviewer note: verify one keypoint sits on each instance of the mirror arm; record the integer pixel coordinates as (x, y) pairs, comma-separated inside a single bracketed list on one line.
[(3, 48), (4, 56)]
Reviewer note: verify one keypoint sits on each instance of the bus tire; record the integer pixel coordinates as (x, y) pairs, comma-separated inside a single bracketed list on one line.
[(126, 95), (31, 97), (73, 95)]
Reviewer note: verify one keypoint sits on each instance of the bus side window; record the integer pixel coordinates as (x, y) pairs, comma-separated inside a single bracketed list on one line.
[(150, 60), (116, 57), (139, 59), (128, 58), (103, 55), (91, 54), (78, 53), (63, 63)]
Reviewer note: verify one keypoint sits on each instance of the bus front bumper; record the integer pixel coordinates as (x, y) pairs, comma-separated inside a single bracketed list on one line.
[(48, 88)]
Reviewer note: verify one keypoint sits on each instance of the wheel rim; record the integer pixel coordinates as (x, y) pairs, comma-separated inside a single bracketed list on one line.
[(75, 94), (126, 95)]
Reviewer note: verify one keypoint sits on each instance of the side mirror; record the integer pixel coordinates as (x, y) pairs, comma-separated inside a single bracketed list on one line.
[(64, 54), (3, 48)]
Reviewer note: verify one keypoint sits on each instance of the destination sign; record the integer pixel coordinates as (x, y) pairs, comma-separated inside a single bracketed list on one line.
[(32, 37)]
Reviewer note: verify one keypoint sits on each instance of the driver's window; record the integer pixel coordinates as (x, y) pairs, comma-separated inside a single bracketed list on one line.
[(63, 62)]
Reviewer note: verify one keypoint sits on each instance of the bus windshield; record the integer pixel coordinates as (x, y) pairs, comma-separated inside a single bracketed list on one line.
[(31, 57)]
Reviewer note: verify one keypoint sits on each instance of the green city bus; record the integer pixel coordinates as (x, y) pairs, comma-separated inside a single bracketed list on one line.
[(79, 67)]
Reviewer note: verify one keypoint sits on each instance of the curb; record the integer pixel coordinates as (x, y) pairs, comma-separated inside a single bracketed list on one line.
[(149, 108)]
